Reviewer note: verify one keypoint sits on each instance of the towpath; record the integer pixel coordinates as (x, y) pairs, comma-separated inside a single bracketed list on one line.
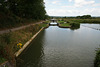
[(18, 28)]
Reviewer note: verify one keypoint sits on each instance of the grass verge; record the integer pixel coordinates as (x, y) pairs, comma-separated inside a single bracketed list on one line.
[(9, 41)]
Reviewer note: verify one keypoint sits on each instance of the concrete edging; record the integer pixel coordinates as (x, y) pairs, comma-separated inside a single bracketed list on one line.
[(27, 43)]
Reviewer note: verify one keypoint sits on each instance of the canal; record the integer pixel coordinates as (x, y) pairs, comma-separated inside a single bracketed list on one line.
[(62, 47)]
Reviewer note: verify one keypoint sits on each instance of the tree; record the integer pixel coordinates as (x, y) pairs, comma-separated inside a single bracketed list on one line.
[(84, 17)]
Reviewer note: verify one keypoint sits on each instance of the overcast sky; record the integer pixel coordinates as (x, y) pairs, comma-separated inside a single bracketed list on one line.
[(72, 7)]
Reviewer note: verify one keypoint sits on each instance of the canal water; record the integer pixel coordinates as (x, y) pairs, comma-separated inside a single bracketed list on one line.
[(62, 47)]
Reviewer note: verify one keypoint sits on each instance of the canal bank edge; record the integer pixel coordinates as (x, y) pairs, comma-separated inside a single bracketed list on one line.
[(27, 43), (64, 26), (6, 64)]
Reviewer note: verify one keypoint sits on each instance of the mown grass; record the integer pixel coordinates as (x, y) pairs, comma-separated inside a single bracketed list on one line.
[(65, 25)]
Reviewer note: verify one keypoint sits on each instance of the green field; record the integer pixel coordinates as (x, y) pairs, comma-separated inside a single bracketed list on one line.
[(83, 20)]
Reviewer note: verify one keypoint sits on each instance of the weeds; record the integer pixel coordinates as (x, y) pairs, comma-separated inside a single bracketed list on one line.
[(9, 41), (2, 59)]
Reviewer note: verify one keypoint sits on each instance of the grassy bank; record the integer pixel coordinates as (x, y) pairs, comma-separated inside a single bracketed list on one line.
[(66, 25), (97, 59), (9, 41)]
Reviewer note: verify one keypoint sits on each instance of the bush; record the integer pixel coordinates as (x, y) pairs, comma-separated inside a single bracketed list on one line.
[(7, 21), (73, 24)]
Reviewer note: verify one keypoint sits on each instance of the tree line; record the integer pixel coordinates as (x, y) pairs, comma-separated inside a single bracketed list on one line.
[(17, 11), (74, 17), (84, 17), (34, 9)]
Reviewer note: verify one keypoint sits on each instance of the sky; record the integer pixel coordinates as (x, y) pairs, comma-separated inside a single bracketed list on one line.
[(72, 7)]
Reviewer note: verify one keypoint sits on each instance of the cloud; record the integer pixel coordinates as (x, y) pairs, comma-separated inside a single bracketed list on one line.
[(70, 0), (62, 12), (92, 11), (55, 12), (80, 3), (96, 4), (67, 7), (74, 8), (73, 12), (55, 2), (47, 1)]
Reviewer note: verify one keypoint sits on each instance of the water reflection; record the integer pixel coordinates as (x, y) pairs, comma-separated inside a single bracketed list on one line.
[(92, 26), (62, 47), (32, 56), (74, 28)]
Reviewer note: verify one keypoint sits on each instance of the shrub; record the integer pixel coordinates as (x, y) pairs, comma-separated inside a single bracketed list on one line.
[(73, 24)]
